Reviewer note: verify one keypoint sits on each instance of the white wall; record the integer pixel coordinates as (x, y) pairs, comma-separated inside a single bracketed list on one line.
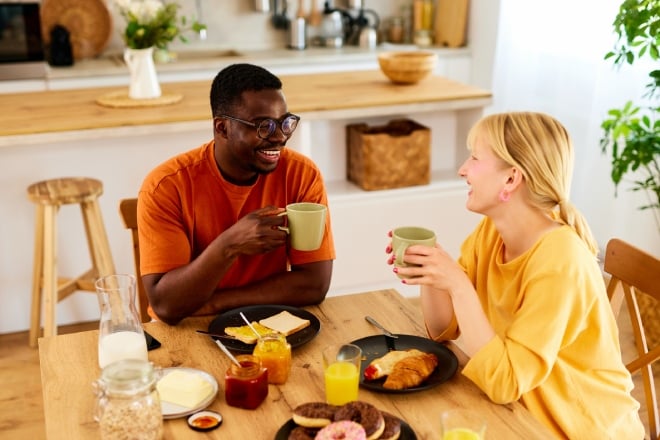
[(235, 24), (550, 58)]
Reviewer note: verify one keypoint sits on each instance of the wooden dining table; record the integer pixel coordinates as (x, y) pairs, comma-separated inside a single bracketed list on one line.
[(69, 366)]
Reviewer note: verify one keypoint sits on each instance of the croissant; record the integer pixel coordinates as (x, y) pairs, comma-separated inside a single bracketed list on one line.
[(411, 371), (383, 365)]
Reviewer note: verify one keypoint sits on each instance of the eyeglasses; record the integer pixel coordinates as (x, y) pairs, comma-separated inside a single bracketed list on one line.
[(266, 127)]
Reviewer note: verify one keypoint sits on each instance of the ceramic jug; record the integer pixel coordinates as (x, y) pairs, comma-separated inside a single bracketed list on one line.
[(120, 330), (144, 82)]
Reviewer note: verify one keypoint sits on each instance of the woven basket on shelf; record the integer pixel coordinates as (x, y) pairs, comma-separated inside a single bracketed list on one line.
[(390, 156)]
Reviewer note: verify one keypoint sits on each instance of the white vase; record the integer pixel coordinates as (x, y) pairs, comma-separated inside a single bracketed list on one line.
[(144, 82)]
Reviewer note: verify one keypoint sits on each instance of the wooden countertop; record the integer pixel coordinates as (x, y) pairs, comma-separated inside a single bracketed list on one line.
[(73, 110), (69, 365)]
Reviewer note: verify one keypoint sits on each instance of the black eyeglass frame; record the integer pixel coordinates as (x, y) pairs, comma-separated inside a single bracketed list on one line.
[(270, 131)]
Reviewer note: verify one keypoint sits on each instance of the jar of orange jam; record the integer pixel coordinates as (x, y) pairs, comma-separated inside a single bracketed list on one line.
[(246, 386), (275, 354)]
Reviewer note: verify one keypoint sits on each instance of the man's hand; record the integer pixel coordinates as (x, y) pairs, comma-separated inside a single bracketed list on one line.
[(257, 232)]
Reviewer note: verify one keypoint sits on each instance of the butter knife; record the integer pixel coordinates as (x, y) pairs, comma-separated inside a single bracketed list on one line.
[(215, 335), (385, 331)]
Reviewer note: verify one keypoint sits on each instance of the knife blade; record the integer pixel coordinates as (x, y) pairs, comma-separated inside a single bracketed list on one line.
[(385, 331), (215, 335)]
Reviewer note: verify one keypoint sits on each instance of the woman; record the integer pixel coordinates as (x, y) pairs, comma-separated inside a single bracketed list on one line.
[(527, 294)]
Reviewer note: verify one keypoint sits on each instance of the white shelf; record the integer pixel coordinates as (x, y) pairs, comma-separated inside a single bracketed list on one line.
[(441, 181)]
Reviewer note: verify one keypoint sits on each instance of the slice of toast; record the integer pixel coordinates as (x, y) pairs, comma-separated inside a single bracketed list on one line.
[(245, 334), (285, 323)]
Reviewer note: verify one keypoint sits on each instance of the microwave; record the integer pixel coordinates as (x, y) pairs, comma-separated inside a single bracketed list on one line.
[(22, 54)]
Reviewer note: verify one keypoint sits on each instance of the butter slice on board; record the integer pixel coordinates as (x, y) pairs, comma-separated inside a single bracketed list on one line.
[(285, 323), (183, 388)]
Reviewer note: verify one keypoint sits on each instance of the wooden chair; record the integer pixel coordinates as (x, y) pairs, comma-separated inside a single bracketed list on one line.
[(48, 287), (128, 212), (634, 273)]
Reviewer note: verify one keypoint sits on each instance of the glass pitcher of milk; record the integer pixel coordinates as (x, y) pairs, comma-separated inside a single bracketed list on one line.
[(120, 331)]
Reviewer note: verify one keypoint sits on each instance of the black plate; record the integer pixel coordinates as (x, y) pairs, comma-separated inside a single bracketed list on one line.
[(283, 433), (232, 318), (376, 346)]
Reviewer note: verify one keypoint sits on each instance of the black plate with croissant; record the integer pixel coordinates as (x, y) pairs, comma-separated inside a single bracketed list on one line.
[(377, 346)]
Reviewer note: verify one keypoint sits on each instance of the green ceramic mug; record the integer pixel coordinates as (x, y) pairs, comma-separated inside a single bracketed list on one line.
[(407, 236), (305, 225)]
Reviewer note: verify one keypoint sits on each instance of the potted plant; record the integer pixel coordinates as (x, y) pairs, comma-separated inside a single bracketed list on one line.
[(632, 133), (150, 24)]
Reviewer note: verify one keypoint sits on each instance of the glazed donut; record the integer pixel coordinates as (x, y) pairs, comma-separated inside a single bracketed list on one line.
[(345, 430), (314, 414), (365, 414), (392, 429)]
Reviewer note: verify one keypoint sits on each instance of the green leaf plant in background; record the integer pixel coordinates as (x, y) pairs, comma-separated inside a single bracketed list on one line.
[(631, 134), (154, 23)]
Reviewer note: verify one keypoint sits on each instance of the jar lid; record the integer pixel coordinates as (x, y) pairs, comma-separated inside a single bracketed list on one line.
[(128, 375), (205, 421)]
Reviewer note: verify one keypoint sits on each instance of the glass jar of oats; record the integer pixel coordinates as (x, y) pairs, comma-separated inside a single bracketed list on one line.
[(128, 406)]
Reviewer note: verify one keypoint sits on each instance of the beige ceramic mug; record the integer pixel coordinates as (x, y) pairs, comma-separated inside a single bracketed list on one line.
[(407, 236), (305, 225)]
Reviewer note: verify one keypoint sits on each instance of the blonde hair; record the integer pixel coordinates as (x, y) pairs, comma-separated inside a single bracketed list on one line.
[(541, 148)]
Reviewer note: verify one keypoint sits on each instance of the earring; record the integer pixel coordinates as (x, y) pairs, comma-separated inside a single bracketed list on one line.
[(504, 196)]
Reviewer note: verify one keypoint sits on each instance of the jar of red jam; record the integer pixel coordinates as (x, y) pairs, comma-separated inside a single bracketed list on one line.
[(246, 386), (275, 354)]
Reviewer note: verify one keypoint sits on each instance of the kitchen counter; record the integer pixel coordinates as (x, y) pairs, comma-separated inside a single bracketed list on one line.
[(203, 63), (214, 58)]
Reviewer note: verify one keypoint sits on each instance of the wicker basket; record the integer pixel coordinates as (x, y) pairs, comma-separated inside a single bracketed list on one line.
[(390, 156)]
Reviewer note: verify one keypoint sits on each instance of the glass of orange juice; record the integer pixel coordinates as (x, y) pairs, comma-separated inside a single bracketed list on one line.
[(459, 424), (341, 369)]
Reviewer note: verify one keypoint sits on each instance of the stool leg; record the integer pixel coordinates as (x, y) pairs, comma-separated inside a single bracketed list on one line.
[(97, 239), (50, 270), (37, 274)]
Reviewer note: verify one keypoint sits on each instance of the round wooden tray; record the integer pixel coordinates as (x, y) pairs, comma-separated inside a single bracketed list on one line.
[(120, 99), (88, 21)]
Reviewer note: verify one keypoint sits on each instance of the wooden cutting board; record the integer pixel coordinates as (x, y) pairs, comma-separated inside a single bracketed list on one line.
[(451, 22), (88, 21)]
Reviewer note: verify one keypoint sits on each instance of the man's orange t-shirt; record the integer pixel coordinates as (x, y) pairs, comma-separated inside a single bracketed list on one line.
[(185, 203)]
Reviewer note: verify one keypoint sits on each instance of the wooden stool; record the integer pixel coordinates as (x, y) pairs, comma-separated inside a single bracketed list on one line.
[(49, 195)]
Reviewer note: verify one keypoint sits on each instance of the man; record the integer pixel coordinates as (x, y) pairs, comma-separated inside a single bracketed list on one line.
[(208, 218)]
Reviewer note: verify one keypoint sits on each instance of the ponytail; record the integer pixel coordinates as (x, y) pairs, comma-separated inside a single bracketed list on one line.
[(570, 216)]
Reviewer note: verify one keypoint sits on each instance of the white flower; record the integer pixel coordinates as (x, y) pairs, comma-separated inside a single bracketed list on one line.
[(123, 5), (145, 10), (153, 23)]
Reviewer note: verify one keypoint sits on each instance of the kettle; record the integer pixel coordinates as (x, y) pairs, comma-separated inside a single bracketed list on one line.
[(332, 26)]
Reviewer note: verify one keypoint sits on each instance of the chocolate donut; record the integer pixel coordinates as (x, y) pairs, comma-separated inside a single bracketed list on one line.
[(345, 430), (392, 429), (302, 433), (314, 414), (365, 414)]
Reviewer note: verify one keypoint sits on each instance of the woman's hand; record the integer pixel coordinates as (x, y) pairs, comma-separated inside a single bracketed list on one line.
[(434, 267)]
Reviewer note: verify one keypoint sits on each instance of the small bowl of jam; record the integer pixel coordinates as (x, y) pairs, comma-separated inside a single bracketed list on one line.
[(205, 421)]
